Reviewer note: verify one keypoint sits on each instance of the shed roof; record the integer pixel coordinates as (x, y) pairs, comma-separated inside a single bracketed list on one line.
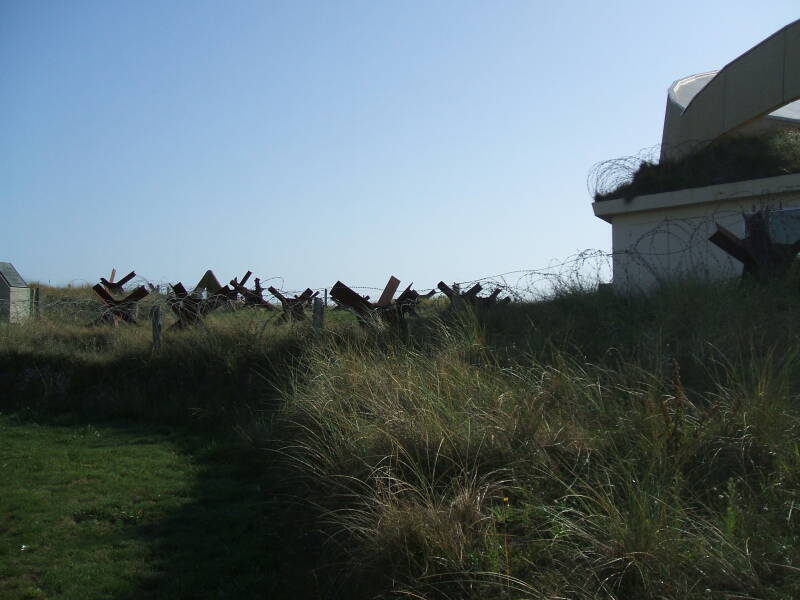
[(11, 276)]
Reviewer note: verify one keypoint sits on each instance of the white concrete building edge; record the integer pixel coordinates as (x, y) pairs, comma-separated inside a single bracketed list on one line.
[(664, 237)]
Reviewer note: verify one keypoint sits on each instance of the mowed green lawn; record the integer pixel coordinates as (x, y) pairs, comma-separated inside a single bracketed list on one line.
[(102, 511)]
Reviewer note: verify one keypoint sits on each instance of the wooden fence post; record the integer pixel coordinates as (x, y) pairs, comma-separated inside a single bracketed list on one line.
[(35, 300), (155, 318), (318, 315)]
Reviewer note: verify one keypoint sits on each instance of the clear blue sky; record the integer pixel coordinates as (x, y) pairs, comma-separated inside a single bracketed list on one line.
[(324, 140)]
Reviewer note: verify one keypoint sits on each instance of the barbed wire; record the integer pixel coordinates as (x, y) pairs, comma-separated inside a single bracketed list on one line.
[(665, 249), (520, 284), (614, 174), (726, 160)]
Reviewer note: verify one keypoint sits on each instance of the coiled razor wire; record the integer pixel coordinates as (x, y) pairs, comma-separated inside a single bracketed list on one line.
[(685, 240)]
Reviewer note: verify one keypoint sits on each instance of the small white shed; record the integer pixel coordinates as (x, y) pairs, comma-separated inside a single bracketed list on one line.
[(15, 299)]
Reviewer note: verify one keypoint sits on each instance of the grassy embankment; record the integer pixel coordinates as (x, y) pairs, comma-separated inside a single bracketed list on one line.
[(585, 447)]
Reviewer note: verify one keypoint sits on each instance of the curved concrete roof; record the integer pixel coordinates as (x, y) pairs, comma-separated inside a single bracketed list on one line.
[(683, 91), (763, 83)]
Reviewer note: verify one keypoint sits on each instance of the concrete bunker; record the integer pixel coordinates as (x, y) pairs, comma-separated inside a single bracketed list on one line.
[(660, 236)]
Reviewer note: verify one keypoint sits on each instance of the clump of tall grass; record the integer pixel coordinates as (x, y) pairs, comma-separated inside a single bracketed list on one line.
[(442, 471)]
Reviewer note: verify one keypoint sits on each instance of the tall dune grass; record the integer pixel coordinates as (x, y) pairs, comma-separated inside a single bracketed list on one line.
[(455, 470), (587, 446)]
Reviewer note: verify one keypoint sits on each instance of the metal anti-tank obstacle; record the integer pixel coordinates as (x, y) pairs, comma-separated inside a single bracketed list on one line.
[(190, 309), (459, 299), (385, 308), (254, 297), (762, 259), (122, 310), (116, 286), (293, 308)]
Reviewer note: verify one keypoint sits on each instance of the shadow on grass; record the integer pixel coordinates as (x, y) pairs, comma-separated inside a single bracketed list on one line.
[(214, 521), (238, 537), (230, 529)]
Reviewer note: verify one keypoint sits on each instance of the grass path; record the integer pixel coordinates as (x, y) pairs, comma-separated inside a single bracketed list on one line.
[(104, 511)]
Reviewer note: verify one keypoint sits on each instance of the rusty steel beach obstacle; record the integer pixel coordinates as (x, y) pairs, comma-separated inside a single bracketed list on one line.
[(459, 299), (385, 308), (293, 308), (254, 297), (190, 309), (116, 286), (761, 257), (116, 311)]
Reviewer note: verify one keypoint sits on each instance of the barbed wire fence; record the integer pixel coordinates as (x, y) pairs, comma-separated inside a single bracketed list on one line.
[(664, 249), (584, 270)]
